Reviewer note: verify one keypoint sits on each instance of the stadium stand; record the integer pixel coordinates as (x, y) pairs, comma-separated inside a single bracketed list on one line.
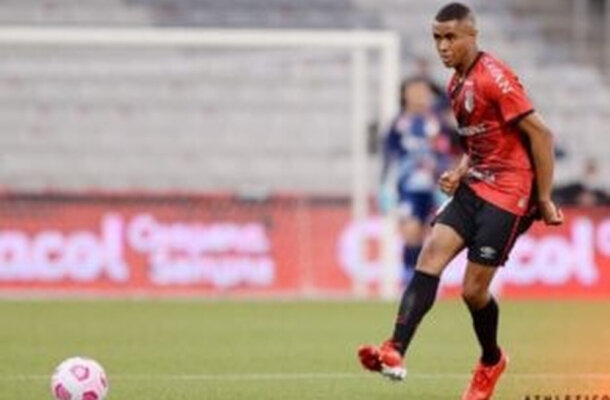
[(188, 120)]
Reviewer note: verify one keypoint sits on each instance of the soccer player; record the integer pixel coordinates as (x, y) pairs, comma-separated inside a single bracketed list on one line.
[(417, 147), (502, 181)]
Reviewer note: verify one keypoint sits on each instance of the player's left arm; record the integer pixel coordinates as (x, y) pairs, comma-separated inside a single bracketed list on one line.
[(541, 141), (509, 94)]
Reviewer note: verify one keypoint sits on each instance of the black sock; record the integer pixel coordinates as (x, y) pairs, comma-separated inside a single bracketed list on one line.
[(416, 301), (409, 256), (485, 321)]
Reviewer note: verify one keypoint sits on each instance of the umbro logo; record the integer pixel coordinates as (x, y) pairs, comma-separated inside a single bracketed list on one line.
[(488, 253)]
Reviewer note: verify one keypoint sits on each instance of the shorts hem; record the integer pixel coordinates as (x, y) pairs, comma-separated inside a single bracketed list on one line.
[(455, 228), (486, 263)]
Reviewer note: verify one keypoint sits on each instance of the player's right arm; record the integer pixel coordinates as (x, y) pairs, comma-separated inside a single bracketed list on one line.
[(450, 180)]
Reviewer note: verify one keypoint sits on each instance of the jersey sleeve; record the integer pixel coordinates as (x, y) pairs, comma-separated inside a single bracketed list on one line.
[(509, 94)]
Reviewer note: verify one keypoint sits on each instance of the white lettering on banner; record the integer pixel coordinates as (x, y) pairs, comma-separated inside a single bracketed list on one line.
[(146, 234), (551, 260), (52, 255), (603, 238), (222, 254), (222, 272)]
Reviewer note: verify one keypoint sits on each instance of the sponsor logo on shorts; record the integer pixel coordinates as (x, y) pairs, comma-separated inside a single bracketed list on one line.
[(488, 253)]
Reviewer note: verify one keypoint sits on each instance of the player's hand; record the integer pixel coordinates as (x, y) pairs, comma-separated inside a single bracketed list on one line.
[(449, 182), (551, 214)]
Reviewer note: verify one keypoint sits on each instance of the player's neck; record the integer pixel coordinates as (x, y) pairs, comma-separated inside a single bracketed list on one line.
[(462, 69)]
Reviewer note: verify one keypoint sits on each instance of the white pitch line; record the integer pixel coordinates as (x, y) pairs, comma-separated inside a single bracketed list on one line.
[(311, 376)]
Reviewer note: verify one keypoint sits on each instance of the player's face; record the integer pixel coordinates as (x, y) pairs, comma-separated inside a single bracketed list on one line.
[(418, 97), (454, 41)]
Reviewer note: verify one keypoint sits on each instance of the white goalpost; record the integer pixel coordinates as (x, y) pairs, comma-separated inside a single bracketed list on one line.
[(361, 47)]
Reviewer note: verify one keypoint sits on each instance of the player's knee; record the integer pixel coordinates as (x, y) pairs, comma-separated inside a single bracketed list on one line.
[(475, 295), (432, 259), (428, 260)]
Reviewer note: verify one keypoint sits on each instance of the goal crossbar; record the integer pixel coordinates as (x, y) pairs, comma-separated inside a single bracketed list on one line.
[(197, 37)]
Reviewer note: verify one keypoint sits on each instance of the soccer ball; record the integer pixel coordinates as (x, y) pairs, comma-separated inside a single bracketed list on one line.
[(79, 378)]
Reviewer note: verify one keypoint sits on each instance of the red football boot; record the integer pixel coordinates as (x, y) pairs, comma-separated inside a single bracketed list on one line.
[(384, 359), (484, 380)]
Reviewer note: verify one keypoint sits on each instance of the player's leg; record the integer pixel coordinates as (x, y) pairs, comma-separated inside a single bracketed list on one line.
[(442, 244), (445, 240), (483, 309), (496, 232), (440, 247)]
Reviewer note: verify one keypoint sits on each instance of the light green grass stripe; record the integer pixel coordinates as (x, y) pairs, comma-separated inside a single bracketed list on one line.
[(308, 375)]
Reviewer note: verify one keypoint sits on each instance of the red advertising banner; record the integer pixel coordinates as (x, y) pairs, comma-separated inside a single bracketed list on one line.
[(128, 245), (190, 245)]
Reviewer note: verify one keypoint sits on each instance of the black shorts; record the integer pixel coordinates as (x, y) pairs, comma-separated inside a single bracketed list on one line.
[(488, 231)]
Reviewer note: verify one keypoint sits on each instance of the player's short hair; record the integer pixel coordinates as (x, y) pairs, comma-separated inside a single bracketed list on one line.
[(453, 11), (408, 82)]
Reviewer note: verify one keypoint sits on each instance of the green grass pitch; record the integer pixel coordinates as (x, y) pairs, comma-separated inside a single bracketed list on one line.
[(157, 350)]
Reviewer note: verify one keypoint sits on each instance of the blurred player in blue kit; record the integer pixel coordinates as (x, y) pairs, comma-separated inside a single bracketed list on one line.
[(415, 152)]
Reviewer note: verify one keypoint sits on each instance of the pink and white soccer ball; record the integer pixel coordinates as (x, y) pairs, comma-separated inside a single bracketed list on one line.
[(79, 378)]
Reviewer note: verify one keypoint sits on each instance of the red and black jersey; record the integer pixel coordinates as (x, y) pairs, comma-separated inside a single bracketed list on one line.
[(487, 103)]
